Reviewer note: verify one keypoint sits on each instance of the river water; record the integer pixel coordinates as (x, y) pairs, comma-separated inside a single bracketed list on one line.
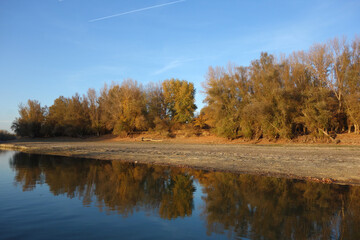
[(48, 197)]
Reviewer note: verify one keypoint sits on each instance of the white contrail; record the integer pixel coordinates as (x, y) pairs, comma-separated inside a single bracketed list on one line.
[(137, 10)]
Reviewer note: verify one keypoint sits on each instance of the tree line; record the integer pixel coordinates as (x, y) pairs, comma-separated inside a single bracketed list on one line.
[(313, 92), (120, 109), (5, 136), (308, 92)]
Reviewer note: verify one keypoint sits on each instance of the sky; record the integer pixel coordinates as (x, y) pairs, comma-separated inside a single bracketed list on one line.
[(52, 48)]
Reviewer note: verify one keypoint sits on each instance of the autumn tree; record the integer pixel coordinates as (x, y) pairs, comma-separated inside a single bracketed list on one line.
[(179, 98), (272, 99), (226, 96), (77, 116), (57, 115), (124, 107), (69, 117), (31, 120), (94, 112), (351, 91), (156, 108), (321, 109), (314, 91)]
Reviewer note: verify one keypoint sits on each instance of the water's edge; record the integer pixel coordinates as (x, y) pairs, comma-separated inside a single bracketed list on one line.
[(147, 160)]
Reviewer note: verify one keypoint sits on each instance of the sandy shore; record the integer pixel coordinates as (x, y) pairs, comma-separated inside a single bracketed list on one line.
[(326, 163)]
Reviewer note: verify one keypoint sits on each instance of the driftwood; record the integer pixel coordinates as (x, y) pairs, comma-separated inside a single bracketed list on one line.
[(331, 136), (150, 140)]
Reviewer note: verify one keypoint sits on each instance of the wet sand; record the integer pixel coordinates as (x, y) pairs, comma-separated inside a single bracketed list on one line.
[(324, 163)]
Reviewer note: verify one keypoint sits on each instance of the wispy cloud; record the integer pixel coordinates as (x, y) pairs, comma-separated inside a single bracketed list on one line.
[(136, 10), (173, 64)]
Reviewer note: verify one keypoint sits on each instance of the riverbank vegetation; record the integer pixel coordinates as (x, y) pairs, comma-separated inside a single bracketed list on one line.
[(314, 92), (121, 109), (5, 136)]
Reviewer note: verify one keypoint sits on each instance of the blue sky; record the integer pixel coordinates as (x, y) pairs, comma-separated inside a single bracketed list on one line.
[(50, 48)]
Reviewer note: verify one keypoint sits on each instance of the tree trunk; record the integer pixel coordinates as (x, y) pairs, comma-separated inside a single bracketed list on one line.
[(326, 134)]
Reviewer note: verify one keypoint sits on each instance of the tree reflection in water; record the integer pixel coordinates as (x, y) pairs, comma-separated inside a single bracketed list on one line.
[(239, 205), (115, 186), (271, 208)]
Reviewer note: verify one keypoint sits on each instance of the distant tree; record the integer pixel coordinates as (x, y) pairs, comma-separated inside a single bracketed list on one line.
[(156, 108), (94, 111), (56, 119), (307, 92), (269, 97), (69, 117), (226, 96), (201, 120), (351, 90), (6, 136), (322, 108), (32, 117), (124, 107), (179, 98), (318, 112), (77, 117)]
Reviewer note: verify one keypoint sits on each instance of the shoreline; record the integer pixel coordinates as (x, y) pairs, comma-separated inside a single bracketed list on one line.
[(319, 163)]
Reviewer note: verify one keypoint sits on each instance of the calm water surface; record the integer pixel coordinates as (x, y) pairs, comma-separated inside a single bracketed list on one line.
[(47, 197)]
